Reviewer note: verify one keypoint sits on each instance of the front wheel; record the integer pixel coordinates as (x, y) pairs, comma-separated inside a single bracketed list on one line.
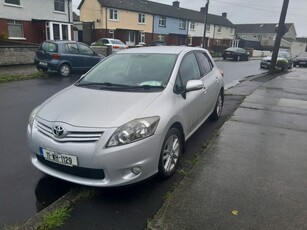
[(64, 70), (217, 112), (170, 153)]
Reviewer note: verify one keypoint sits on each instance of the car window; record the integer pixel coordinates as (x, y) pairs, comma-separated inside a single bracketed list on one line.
[(71, 48), (49, 47), (85, 50), (105, 41), (118, 42), (205, 63), (189, 69)]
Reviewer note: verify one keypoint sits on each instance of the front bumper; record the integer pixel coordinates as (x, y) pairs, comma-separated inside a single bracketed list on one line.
[(114, 163)]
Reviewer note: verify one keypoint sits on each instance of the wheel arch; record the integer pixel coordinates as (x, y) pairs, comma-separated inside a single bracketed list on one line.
[(178, 126)]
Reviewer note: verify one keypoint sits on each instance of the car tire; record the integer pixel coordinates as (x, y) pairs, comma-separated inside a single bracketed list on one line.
[(239, 58), (217, 112), (247, 58), (64, 70), (170, 153)]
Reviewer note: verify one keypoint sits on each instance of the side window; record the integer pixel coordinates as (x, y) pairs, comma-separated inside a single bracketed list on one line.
[(205, 63), (72, 48), (85, 50), (188, 70), (105, 41)]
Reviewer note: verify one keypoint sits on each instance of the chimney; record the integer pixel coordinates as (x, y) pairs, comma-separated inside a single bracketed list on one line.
[(176, 4), (203, 10), (224, 15)]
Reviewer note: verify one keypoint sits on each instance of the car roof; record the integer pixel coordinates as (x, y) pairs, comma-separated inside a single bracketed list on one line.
[(161, 49)]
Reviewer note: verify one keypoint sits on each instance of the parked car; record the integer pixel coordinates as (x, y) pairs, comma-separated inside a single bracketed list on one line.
[(65, 57), (128, 118), (114, 43), (157, 43), (282, 55), (236, 53), (300, 60)]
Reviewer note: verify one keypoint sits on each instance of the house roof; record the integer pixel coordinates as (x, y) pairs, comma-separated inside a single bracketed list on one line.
[(76, 18), (260, 28), (302, 39), (156, 8)]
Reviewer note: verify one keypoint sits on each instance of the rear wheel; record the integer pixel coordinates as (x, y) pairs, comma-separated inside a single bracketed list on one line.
[(170, 153), (217, 112), (64, 70)]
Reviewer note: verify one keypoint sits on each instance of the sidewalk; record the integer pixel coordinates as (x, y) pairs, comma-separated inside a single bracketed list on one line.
[(253, 176)]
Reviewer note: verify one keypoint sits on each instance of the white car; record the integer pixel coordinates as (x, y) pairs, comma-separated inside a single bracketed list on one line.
[(282, 55), (114, 43), (128, 118)]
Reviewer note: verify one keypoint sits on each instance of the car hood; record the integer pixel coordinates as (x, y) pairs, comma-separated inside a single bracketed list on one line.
[(269, 58), (86, 107), (301, 59)]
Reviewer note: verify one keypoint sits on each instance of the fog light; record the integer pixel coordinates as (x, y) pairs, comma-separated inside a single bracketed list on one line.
[(136, 170)]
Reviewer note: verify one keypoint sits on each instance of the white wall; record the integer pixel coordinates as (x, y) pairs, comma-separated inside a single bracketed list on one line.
[(34, 9)]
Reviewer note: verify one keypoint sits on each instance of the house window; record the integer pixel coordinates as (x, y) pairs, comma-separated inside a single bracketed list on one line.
[(219, 29), (65, 32), (59, 5), (190, 41), (208, 28), (162, 21), (142, 38), (15, 29), (113, 14), (192, 26), (182, 24), (142, 18), (13, 2)]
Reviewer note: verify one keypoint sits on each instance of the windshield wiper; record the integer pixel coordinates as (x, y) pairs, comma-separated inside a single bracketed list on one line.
[(107, 84)]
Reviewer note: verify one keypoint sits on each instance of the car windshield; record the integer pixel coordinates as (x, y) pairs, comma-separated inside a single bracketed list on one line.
[(118, 42), (133, 72), (303, 55)]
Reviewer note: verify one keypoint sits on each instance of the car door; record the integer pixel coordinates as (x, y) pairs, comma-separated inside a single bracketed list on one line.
[(211, 83), (73, 56), (88, 56), (189, 107)]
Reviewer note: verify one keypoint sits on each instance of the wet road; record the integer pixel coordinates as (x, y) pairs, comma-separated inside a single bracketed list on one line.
[(24, 190), (235, 71)]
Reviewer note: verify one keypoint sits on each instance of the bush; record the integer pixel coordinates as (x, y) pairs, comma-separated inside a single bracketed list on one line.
[(282, 65)]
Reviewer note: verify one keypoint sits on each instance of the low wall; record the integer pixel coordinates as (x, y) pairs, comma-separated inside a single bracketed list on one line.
[(261, 53), (17, 55), (101, 50)]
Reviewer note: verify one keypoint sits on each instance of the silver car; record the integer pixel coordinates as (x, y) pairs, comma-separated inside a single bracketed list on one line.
[(128, 118)]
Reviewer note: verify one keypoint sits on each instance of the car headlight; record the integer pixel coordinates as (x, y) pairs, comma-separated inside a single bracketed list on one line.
[(133, 131), (32, 116)]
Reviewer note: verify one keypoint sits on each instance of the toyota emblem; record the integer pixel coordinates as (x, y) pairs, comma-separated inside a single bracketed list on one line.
[(58, 131)]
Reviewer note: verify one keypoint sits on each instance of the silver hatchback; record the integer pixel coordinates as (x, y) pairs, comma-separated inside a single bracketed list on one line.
[(127, 118)]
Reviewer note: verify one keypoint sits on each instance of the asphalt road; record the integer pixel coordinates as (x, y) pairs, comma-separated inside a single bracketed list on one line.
[(25, 191)]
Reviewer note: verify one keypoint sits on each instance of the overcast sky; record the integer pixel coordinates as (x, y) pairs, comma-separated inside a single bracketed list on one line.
[(248, 11)]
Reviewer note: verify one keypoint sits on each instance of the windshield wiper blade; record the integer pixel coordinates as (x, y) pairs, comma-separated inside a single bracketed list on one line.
[(108, 84)]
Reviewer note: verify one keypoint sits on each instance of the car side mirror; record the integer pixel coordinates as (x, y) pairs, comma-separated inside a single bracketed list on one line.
[(192, 85)]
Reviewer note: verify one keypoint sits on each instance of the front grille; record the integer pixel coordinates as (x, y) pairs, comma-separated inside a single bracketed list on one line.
[(71, 136), (97, 174)]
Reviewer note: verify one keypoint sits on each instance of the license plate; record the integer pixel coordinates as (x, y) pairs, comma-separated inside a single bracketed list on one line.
[(228, 53), (303, 62), (42, 63), (59, 158)]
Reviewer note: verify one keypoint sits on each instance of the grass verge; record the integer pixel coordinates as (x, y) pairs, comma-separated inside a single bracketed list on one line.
[(20, 77), (55, 219)]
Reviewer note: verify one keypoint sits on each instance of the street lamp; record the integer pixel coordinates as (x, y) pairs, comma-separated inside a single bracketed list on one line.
[(205, 21)]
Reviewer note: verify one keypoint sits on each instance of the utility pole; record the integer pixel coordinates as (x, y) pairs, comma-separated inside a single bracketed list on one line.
[(281, 30), (205, 21)]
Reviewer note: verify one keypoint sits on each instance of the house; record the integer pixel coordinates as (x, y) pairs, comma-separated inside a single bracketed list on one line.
[(20, 22), (220, 32), (266, 34), (142, 21)]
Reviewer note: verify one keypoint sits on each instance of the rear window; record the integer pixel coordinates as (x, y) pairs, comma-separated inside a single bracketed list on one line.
[(49, 47)]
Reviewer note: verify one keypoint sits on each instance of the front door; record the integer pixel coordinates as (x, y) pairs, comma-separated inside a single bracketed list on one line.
[(130, 38)]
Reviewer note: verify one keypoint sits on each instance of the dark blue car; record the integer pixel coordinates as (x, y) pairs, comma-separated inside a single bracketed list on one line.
[(65, 57)]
